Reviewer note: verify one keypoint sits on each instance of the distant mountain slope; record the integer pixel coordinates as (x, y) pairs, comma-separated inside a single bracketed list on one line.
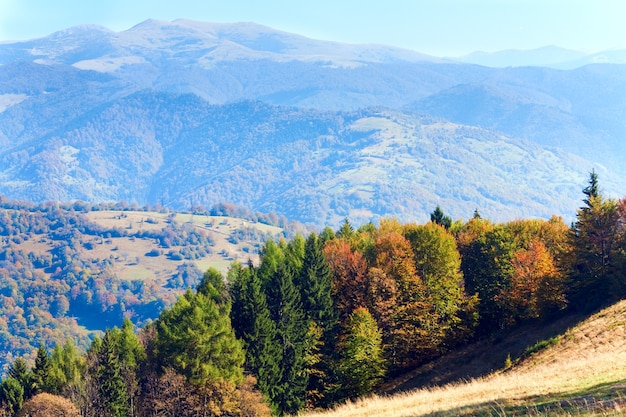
[(232, 62), (173, 113), (581, 110), (309, 165), (547, 56)]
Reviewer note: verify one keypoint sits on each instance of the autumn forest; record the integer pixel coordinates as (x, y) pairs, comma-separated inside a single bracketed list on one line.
[(318, 319)]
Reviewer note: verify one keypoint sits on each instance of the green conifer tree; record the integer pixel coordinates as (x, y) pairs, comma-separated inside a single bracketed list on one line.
[(241, 316), (315, 282), (12, 395), (263, 348), (42, 371), (440, 218), (19, 371), (271, 257), (596, 239), (285, 308), (67, 366), (195, 337), (112, 392)]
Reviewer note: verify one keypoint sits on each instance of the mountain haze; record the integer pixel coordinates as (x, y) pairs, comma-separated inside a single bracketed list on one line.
[(547, 56), (190, 113)]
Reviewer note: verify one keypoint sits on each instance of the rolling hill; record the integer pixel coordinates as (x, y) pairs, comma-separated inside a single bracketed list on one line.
[(69, 272)]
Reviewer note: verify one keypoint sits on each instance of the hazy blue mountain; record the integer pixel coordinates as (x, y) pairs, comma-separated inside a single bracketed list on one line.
[(185, 113), (581, 110), (547, 56), (313, 166), (231, 62)]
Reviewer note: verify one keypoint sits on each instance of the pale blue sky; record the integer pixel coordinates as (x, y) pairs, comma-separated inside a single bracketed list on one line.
[(437, 27)]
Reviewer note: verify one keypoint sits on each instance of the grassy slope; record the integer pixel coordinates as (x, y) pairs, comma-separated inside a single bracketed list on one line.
[(219, 228), (582, 372)]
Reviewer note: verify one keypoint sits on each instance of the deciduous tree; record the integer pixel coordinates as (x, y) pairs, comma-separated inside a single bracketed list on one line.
[(362, 364)]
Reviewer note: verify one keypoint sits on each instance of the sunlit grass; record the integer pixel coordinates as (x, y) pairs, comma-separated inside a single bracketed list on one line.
[(581, 374)]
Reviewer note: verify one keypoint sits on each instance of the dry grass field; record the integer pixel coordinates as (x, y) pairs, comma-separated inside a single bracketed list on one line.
[(132, 263), (581, 372)]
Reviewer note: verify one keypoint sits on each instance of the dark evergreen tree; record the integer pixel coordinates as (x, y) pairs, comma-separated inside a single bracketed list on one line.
[(596, 239), (241, 316), (262, 343), (19, 371), (42, 371), (592, 190), (315, 282), (440, 218), (286, 312), (112, 394), (316, 286)]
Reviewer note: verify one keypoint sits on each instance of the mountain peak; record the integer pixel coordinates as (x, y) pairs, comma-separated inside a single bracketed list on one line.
[(81, 30)]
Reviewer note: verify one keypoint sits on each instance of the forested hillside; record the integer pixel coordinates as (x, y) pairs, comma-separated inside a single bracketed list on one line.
[(70, 271), (328, 317), (311, 166)]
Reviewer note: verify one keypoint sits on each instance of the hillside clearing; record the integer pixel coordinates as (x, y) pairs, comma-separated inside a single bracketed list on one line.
[(583, 373)]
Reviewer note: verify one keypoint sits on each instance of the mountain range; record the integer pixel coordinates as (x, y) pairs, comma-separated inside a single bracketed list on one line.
[(188, 113), (547, 56)]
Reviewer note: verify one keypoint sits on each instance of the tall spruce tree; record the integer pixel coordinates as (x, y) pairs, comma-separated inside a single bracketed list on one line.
[(285, 307), (596, 240), (112, 392), (42, 371), (440, 218), (241, 315), (19, 371), (315, 282), (262, 345)]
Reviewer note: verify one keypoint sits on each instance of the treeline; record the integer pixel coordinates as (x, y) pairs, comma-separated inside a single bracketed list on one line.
[(331, 316)]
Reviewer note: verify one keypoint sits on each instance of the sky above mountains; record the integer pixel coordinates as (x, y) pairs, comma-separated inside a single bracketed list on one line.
[(440, 28)]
